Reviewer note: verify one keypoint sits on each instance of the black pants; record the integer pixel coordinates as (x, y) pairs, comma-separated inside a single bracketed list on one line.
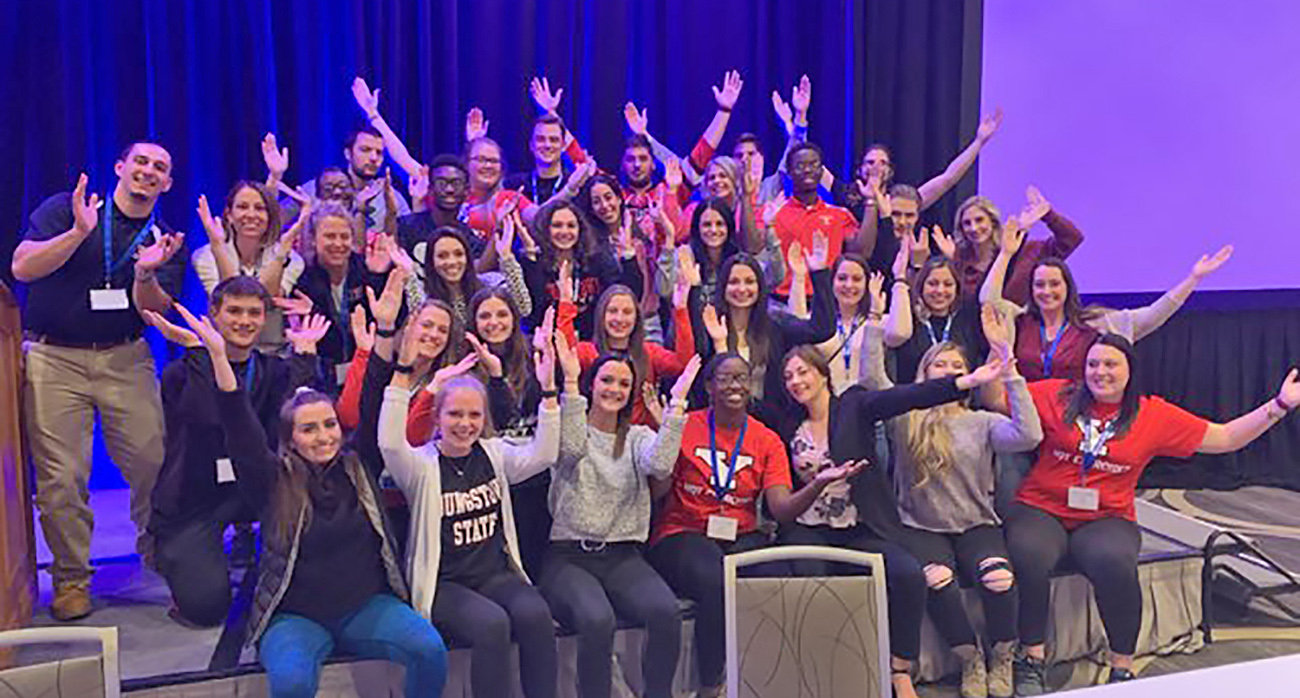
[(904, 580), (191, 556), (588, 591), (692, 564), (485, 617), (966, 555), (1105, 551)]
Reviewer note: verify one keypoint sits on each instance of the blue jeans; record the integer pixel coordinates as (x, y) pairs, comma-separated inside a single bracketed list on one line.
[(293, 647)]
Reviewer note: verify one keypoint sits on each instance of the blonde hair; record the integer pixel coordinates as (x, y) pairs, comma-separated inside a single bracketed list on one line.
[(465, 382), (929, 440), (985, 204)]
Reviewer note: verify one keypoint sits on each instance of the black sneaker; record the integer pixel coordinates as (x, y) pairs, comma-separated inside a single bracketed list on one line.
[(1118, 675), (1030, 676)]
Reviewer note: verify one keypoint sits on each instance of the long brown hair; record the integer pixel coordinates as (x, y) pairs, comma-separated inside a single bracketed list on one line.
[(273, 215), (929, 439), (515, 356), (758, 332), (455, 347), (932, 265), (434, 285), (624, 414), (1078, 398), (1075, 312), (290, 496), (635, 343)]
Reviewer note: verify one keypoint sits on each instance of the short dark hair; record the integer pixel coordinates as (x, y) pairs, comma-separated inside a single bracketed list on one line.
[(126, 152), (636, 140), (711, 366), (799, 148), (748, 137), (448, 160), (905, 191), (369, 130), (238, 286), (549, 118)]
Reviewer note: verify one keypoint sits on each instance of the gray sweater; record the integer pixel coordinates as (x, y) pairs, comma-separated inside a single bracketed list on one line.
[(961, 497), (597, 497)]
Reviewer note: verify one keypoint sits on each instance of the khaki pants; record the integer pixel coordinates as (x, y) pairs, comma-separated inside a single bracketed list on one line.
[(65, 389)]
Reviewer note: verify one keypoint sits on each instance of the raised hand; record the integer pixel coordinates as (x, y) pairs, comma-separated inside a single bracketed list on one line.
[(389, 303), (490, 361), (299, 304), (378, 256), (206, 333), (85, 211), (544, 355), (565, 281), (624, 245), (771, 208), (542, 336), (1013, 235), (796, 260), (476, 126), (304, 333), (820, 257), (367, 100), (900, 260), (418, 185), (363, 331), (567, 355), (876, 294), (983, 375), (1209, 264), (753, 175), (1289, 394), (1035, 207), (783, 112), (504, 240), (525, 235), (672, 175), (947, 246), (290, 237), (547, 101), (730, 92), (920, 245), (684, 382), (997, 332), (801, 96), (150, 258), (276, 158), (688, 270), (171, 332), (401, 260), (637, 120), (654, 402), (843, 471), (211, 225), (446, 373), (989, 125), (714, 325)]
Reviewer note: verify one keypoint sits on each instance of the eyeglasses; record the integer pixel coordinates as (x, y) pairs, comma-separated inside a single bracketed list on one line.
[(486, 161), (725, 379)]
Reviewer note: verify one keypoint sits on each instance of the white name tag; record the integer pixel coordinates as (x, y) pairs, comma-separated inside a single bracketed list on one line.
[(1084, 498), (109, 299), (341, 373), (723, 528), (225, 471)]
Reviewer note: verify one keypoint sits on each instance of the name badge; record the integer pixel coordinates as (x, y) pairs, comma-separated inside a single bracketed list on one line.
[(341, 373), (109, 299), (723, 528), (225, 471), (1084, 498)]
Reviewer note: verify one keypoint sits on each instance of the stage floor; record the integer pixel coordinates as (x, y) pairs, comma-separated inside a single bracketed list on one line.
[(136, 600)]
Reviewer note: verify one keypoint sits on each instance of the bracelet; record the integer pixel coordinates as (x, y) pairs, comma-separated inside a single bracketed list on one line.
[(1286, 409), (902, 281), (386, 333), (550, 393), (404, 368), (873, 315), (725, 110)]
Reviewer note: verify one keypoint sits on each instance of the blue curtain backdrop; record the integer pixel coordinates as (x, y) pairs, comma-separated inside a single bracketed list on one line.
[(209, 78)]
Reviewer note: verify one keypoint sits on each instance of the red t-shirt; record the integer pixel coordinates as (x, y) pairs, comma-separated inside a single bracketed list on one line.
[(761, 465), (1160, 429), (798, 222)]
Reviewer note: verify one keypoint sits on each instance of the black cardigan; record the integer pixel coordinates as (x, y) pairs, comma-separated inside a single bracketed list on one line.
[(853, 419)]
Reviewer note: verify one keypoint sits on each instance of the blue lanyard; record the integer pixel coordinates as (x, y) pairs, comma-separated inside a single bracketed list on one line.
[(249, 370), (1049, 350), (947, 329), (845, 338), (342, 321), (109, 265), (1093, 442), (721, 488)]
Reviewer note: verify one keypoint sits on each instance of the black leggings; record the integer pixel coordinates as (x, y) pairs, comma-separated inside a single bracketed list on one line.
[(904, 580), (1105, 551), (192, 558), (588, 591), (692, 564), (968, 556), (484, 618)]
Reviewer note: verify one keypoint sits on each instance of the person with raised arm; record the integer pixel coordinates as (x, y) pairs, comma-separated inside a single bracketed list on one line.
[(89, 272), (1053, 332), (1099, 434), (329, 575), (549, 142), (247, 240), (941, 311), (463, 553), (692, 167), (806, 214), (728, 460), (878, 165), (979, 235), (196, 497), (600, 501), (944, 477)]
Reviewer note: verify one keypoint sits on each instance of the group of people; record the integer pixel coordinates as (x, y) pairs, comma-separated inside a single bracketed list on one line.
[(584, 389)]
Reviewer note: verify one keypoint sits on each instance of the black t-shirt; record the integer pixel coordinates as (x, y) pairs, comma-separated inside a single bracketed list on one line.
[(58, 305), (340, 564), (473, 543), (962, 327), (537, 189)]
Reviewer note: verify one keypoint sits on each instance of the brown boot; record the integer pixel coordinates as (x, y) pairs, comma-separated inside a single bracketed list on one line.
[(71, 601), (1001, 674), (974, 677)]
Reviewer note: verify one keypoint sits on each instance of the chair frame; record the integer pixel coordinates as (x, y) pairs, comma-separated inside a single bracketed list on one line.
[(106, 637)]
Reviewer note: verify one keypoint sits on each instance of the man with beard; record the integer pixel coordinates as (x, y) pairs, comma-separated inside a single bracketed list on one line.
[(90, 270), (363, 151)]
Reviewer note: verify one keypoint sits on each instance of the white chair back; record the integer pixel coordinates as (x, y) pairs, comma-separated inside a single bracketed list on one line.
[(49, 679)]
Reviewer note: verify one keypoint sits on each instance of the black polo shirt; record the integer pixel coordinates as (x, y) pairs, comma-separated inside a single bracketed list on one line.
[(58, 305)]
